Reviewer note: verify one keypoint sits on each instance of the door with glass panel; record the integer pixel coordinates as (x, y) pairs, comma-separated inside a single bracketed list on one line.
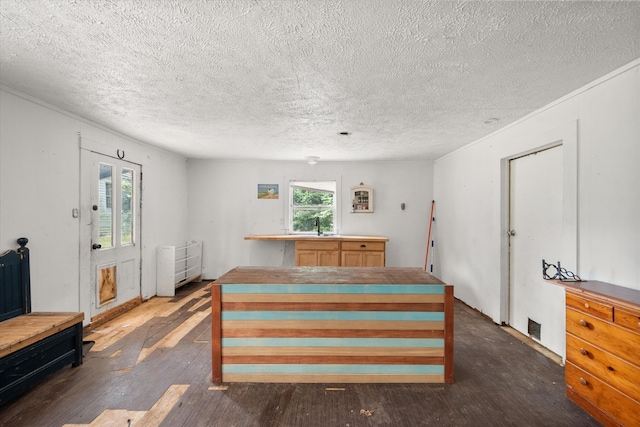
[(115, 232)]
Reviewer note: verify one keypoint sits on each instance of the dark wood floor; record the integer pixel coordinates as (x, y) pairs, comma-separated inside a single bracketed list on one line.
[(152, 366)]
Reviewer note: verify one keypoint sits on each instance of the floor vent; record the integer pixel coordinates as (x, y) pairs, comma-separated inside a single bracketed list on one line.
[(534, 329)]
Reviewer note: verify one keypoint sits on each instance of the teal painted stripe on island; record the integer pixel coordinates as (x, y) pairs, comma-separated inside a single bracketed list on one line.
[(334, 369), (430, 316), (334, 342), (331, 289)]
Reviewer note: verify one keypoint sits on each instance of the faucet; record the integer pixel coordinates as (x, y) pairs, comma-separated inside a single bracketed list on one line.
[(318, 225)]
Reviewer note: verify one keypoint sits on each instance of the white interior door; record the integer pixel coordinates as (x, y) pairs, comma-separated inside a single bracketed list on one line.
[(535, 224), (115, 231)]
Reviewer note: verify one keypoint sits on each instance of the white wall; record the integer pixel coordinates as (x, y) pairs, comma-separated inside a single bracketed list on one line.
[(40, 186), (216, 202), (223, 208), (604, 120)]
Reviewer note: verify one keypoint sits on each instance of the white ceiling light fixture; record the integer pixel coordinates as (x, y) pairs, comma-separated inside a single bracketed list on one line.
[(312, 160)]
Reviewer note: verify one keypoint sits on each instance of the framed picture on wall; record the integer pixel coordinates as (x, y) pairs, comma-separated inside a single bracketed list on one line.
[(267, 191)]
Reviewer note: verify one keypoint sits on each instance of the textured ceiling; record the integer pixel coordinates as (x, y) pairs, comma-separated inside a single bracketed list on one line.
[(280, 79)]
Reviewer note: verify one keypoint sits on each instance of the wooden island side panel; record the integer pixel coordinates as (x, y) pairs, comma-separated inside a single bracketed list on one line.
[(332, 325)]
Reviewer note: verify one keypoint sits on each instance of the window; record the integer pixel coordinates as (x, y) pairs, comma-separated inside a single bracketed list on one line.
[(105, 199), (126, 207), (312, 202)]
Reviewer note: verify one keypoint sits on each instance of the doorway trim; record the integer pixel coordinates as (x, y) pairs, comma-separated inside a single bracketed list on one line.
[(567, 136), (87, 146)]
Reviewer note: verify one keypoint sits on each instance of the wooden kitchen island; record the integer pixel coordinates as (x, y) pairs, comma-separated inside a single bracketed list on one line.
[(331, 325)]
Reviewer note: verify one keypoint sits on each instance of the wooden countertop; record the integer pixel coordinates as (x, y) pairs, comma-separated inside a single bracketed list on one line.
[(328, 275), (339, 237), (605, 289)]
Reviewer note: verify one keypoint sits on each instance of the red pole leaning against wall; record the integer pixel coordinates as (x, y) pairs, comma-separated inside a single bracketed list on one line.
[(426, 258)]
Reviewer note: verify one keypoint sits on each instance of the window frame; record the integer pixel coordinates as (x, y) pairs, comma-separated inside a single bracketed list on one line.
[(295, 183)]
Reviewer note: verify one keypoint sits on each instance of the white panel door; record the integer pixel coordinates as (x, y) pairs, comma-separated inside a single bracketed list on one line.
[(115, 232), (535, 216)]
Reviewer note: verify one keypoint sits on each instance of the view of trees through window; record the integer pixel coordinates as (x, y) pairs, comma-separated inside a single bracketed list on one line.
[(312, 202), (108, 205), (126, 208)]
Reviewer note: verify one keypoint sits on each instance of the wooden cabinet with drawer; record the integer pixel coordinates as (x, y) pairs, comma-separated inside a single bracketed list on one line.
[(603, 351), (362, 254), (315, 253)]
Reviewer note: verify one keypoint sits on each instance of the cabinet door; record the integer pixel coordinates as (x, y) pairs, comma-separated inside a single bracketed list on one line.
[(351, 259), (373, 259), (307, 258), (328, 258), (312, 253)]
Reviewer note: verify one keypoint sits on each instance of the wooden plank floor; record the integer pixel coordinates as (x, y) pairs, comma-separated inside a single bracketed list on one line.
[(152, 366)]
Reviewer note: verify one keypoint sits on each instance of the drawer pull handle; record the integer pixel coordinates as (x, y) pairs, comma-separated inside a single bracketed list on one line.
[(363, 245), (583, 323), (586, 305), (584, 352), (638, 324), (583, 381), (610, 368)]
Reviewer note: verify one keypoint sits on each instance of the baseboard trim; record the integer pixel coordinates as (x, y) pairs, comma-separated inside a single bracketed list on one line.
[(533, 344), (112, 313)]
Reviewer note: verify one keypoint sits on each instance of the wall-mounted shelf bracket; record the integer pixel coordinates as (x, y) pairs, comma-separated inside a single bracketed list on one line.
[(556, 272)]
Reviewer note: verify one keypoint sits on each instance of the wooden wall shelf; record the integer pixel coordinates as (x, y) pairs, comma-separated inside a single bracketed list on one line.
[(361, 199)]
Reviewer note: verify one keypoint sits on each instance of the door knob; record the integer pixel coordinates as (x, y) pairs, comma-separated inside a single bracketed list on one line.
[(94, 207), (96, 246)]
